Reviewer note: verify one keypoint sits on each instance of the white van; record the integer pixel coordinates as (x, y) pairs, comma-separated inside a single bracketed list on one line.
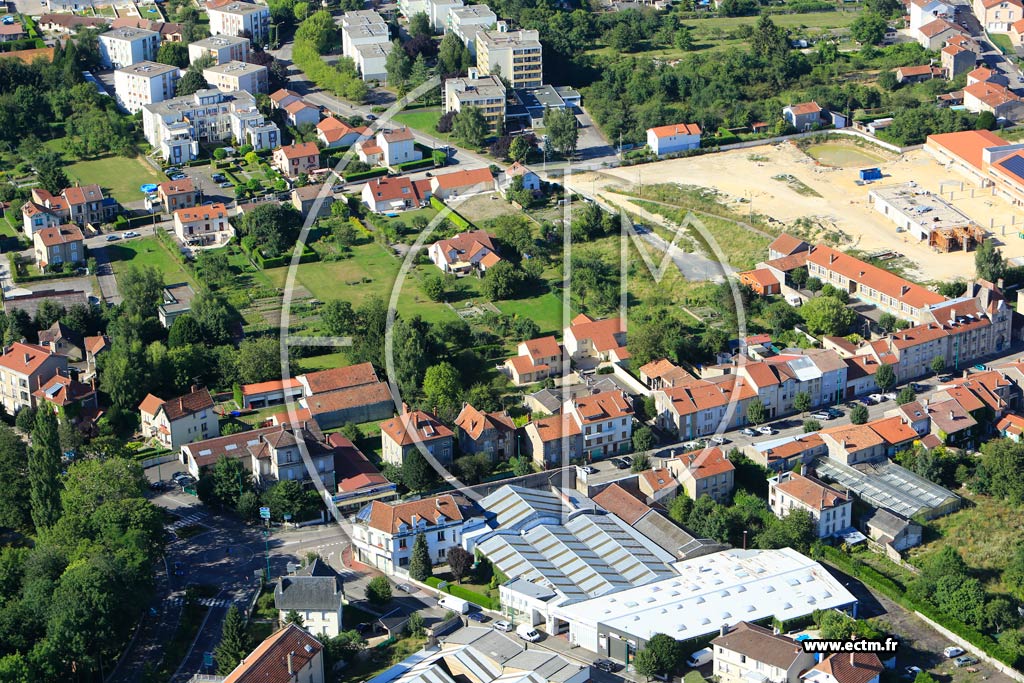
[(527, 633), (457, 605), (699, 658)]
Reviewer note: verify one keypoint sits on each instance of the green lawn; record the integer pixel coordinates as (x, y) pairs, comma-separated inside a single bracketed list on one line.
[(148, 251), (1002, 41), (118, 176), (545, 310), (424, 120), (324, 362)]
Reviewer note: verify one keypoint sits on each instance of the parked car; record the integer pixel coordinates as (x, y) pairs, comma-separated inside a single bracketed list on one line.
[(620, 463), (502, 625), (835, 412), (889, 395), (747, 431), (953, 651), (945, 378), (405, 588), (821, 415), (589, 469), (113, 238), (719, 440), (966, 660), (868, 401), (527, 633), (626, 459), (877, 398), (607, 665), (910, 672), (173, 170), (178, 176), (130, 234), (219, 177), (766, 430), (226, 184), (477, 617)]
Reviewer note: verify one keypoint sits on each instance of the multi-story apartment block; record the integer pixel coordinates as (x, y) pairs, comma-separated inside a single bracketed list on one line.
[(483, 433), (180, 420), (365, 38), (58, 245), (276, 456), (293, 159), (203, 224), (177, 126), (236, 18), (82, 205), (437, 11), (830, 509), (467, 21), (747, 652), (121, 47), (235, 76), (223, 49), (144, 83), (707, 472), (383, 535), (606, 422), (409, 431), (24, 368), (702, 407), (517, 56), (486, 93)]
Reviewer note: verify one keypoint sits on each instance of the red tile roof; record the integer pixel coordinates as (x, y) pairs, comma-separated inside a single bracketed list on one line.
[(676, 129), (349, 397), (405, 428), (388, 518), (811, 492), (762, 277), (874, 277), (893, 430), (341, 378), (271, 385), (555, 427), (24, 358), (334, 130), (465, 245), (805, 108), (601, 332), (460, 179), (1011, 423), (854, 437), (543, 347), (200, 213), (934, 28), (269, 663), (788, 245), (179, 407), (659, 479), (303, 149), (622, 504), (607, 405), (708, 462), (474, 422), (967, 145), (396, 135), (858, 667), (63, 234), (992, 94), (175, 187)]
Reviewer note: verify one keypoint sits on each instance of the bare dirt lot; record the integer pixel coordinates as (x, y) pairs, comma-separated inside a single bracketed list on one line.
[(748, 175)]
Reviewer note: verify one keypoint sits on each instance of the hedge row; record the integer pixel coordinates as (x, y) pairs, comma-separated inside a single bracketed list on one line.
[(23, 44), (364, 175), (413, 165), (485, 601), (264, 262), (895, 592), (358, 225), (454, 216)]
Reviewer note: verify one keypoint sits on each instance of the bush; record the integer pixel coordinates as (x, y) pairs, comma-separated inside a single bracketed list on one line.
[(378, 591), (454, 217)]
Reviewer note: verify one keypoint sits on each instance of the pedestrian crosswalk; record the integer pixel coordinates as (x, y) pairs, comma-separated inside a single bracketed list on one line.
[(177, 601), (188, 520)]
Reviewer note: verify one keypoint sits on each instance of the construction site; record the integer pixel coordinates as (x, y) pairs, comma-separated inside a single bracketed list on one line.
[(926, 216)]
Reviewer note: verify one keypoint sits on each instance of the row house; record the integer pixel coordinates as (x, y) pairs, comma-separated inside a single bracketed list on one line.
[(663, 374), (552, 441), (482, 433), (831, 510), (416, 430), (537, 360), (383, 535), (58, 245), (707, 472), (606, 422), (278, 456), (703, 406), (747, 652), (82, 205)]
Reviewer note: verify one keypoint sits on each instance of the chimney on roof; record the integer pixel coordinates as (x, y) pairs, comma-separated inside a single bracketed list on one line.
[(405, 408), (832, 258), (194, 388), (924, 404), (291, 667), (999, 283), (951, 416), (852, 660), (723, 629), (28, 357), (437, 502)]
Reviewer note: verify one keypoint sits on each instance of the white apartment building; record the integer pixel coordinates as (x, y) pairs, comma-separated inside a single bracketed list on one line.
[(371, 60), (238, 76), (23, 369), (144, 83), (362, 27), (223, 49), (177, 126), (410, 7), (515, 55), (239, 19), (486, 93), (122, 47), (383, 535), (831, 510), (467, 21), (437, 11)]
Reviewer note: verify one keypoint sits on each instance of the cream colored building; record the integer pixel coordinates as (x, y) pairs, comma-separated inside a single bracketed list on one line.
[(517, 56), (207, 224), (180, 420), (235, 76), (831, 510), (223, 49), (747, 652), (239, 19), (486, 93), (144, 83), (23, 369)]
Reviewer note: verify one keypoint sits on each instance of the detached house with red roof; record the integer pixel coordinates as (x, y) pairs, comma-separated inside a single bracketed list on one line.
[(82, 205), (289, 656), (276, 456), (852, 667), (831, 510), (383, 535), (180, 420), (390, 147), (207, 224), (416, 429), (998, 16), (678, 137), (483, 433), (465, 252), (995, 98), (293, 159), (24, 368), (538, 359), (461, 183), (333, 133), (55, 246), (395, 194), (588, 339), (72, 400), (804, 116)]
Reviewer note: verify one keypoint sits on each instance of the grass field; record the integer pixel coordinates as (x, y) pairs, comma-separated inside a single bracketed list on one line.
[(545, 310), (985, 533), (843, 155), (118, 176), (424, 120), (147, 251), (324, 362), (1002, 42)]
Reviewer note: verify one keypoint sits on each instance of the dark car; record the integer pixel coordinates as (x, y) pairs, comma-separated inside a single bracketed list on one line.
[(626, 459), (621, 464), (477, 616), (607, 665)]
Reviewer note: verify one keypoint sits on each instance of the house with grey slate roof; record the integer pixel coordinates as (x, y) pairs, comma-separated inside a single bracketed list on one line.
[(317, 593)]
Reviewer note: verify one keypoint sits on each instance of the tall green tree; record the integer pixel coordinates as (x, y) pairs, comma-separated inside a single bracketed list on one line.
[(471, 127), (802, 402), (885, 377), (141, 289), (756, 413), (173, 53), (988, 261), (44, 471), (234, 644), (397, 66), (563, 130), (859, 414), (420, 566), (442, 390), (868, 28)]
